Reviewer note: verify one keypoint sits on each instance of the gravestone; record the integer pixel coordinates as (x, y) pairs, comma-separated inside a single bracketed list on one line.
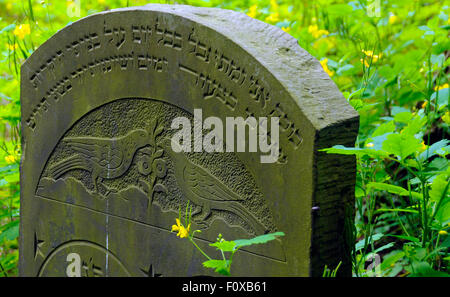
[(101, 187)]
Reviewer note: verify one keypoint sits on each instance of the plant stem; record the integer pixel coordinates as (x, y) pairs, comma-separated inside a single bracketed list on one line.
[(201, 251)]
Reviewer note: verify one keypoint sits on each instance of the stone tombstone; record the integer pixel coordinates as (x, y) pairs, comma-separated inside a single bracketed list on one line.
[(101, 186)]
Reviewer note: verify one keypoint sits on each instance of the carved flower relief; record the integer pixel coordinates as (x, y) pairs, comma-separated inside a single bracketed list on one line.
[(160, 167), (151, 164), (144, 165)]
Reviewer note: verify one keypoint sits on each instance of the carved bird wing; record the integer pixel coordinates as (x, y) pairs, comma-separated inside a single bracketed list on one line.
[(103, 151), (206, 186)]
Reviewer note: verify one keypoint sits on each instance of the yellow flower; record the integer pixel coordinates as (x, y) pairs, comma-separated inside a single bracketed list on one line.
[(182, 231), (22, 30), (273, 18), (393, 19), (286, 29), (253, 11), (10, 159), (274, 5), (443, 232), (364, 62), (370, 144), (315, 32), (444, 86), (423, 147), (12, 47), (446, 118), (372, 56), (325, 67)]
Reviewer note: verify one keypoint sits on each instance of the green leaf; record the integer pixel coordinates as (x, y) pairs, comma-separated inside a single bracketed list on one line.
[(424, 269), (403, 117), (10, 231), (414, 126), (220, 266), (360, 244), (384, 247), (226, 246), (439, 188), (8, 28), (439, 164), (393, 190), (342, 150), (396, 210), (409, 238), (433, 149), (401, 145), (391, 258), (443, 97), (384, 128), (340, 10), (258, 239)]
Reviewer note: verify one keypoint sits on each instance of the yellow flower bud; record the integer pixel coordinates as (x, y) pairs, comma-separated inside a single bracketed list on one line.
[(393, 19), (22, 30), (444, 86), (325, 67), (253, 11)]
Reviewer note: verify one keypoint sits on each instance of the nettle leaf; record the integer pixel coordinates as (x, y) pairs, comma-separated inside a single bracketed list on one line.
[(439, 164), (258, 239), (433, 149), (226, 246), (401, 145), (220, 266), (392, 189)]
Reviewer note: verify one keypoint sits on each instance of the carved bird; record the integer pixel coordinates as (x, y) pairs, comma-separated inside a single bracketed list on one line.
[(204, 189), (103, 157)]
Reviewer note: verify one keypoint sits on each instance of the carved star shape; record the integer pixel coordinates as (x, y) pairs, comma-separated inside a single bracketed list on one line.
[(150, 272), (38, 247)]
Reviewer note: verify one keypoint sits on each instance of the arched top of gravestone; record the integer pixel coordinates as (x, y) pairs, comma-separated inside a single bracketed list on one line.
[(299, 73)]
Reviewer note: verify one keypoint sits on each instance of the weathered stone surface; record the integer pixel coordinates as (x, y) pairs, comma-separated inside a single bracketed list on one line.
[(99, 180)]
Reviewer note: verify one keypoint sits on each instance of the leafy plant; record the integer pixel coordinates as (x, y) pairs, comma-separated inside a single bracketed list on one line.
[(221, 266)]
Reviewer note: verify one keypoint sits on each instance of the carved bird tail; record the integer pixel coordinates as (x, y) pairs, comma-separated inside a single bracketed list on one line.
[(239, 210), (74, 162)]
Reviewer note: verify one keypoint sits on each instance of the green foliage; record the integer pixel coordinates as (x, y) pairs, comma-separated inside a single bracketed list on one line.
[(393, 69), (221, 266)]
